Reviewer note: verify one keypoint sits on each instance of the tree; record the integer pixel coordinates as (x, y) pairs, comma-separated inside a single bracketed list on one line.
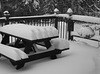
[(40, 7)]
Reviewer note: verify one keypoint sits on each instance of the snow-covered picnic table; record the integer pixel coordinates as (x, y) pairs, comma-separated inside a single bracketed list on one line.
[(30, 36)]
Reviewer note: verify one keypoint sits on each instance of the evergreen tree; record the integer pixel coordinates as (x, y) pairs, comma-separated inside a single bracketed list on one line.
[(40, 7)]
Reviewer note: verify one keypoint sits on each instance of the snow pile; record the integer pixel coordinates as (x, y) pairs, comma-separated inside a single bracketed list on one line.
[(59, 43), (30, 32), (86, 32)]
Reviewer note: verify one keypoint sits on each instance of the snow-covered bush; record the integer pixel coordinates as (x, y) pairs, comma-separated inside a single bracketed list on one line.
[(86, 32)]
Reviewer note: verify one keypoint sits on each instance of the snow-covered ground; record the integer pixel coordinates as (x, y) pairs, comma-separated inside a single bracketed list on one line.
[(80, 59)]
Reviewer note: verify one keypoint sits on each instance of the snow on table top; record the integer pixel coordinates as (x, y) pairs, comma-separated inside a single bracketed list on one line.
[(30, 32)]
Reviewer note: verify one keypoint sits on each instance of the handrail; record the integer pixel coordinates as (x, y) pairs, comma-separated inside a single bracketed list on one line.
[(34, 17), (79, 18), (26, 17), (86, 19)]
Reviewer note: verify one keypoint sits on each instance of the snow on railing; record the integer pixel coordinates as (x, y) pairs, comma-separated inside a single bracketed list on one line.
[(88, 19)]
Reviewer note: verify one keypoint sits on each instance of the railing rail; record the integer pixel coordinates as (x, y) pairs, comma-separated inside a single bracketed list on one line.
[(86, 19)]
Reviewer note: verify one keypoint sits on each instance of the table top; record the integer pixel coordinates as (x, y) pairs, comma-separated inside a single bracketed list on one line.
[(29, 32)]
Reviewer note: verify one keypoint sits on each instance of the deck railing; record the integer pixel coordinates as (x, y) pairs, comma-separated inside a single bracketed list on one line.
[(54, 20), (86, 20), (61, 21)]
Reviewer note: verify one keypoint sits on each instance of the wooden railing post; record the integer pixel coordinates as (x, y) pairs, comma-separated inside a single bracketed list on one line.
[(6, 37), (56, 11), (6, 14), (56, 22), (70, 24)]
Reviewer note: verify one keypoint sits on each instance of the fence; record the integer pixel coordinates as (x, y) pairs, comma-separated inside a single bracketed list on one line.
[(63, 22), (43, 20)]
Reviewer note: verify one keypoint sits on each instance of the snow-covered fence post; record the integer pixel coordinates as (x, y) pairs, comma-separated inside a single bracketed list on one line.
[(56, 11), (6, 37), (70, 24), (6, 14)]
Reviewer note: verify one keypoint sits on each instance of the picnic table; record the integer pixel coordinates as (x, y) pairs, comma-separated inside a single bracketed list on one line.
[(30, 36)]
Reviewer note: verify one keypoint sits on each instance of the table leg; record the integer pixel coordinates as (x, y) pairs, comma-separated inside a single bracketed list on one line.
[(17, 42), (20, 64), (5, 39), (47, 44), (29, 47)]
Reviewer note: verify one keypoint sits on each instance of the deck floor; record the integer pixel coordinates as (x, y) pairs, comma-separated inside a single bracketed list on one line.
[(80, 59)]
